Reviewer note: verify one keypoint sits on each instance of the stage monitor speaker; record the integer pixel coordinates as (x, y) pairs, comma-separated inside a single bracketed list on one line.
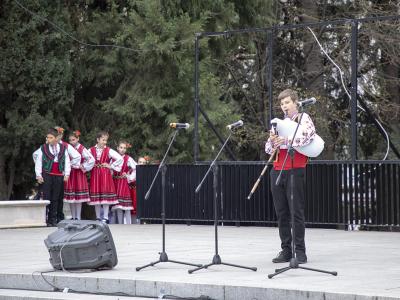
[(81, 245)]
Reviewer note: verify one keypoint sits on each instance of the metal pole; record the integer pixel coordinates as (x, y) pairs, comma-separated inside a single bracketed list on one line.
[(196, 99), (270, 73), (354, 36)]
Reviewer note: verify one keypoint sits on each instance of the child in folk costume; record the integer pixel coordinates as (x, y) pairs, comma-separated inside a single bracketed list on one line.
[(122, 179), (74, 157), (281, 193), (102, 190), (52, 168), (76, 189)]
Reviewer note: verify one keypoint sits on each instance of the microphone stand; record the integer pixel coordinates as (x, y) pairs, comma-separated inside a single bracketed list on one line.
[(294, 263), (216, 259), (163, 168)]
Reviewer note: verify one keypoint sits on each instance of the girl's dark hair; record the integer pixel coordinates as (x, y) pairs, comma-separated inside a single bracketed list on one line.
[(102, 133)]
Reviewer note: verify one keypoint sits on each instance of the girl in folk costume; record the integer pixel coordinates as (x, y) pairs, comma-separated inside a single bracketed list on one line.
[(52, 168), (74, 157), (102, 190), (76, 189), (122, 180)]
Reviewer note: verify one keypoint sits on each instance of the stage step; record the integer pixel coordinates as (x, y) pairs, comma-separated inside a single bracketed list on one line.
[(10, 294)]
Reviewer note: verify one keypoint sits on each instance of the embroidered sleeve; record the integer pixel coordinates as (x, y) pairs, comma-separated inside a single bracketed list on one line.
[(117, 162), (75, 157), (67, 169), (35, 155), (89, 161), (268, 146), (132, 167), (38, 162), (306, 132)]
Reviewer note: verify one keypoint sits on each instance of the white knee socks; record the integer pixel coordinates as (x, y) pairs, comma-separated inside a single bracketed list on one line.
[(78, 210), (73, 210), (105, 210), (128, 217)]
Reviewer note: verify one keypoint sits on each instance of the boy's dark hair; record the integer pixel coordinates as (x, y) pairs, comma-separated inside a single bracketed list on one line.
[(102, 133), (289, 93), (52, 131)]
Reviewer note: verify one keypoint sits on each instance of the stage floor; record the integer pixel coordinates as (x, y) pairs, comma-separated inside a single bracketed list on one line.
[(368, 264)]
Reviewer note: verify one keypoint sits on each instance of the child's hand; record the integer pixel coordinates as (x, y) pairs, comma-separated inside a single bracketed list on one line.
[(272, 136), (279, 140), (40, 180), (106, 165), (66, 178)]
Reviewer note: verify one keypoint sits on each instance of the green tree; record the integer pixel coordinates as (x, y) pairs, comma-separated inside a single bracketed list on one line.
[(35, 81)]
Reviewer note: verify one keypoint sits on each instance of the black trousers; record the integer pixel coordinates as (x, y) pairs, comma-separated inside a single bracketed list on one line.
[(53, 190), (281, 196)]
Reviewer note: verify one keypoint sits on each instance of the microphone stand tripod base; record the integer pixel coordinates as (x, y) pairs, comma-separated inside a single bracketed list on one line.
[(164, 258), (217, 261), (294, 264)]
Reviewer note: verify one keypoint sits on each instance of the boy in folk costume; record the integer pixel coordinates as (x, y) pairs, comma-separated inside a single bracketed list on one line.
[(102, 189), (122, 179), (76, 189), (281, 193), (52, 168)]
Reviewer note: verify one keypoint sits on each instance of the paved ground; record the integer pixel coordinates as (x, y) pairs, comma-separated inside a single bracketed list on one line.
[(368, 264)]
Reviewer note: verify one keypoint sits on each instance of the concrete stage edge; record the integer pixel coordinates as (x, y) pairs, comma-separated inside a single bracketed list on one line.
[(368, 264)]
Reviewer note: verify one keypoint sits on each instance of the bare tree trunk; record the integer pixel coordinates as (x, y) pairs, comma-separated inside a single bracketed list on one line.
[(3, 178)]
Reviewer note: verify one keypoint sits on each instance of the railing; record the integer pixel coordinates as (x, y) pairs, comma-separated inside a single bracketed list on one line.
[(337, 193)]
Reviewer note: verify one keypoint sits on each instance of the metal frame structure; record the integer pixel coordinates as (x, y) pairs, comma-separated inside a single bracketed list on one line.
[(271, 33)]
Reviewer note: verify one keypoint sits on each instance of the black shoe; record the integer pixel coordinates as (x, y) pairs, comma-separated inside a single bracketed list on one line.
[(283, 256), (301, 257), (51, 225)]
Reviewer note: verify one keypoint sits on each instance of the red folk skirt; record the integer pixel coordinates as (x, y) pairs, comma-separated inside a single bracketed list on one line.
[(102, 190), (123, 194), (76, 188)]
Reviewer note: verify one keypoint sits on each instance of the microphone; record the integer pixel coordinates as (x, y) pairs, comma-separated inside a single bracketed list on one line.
[(274, 124), (307, 102), (234, 125), (179, 125)]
